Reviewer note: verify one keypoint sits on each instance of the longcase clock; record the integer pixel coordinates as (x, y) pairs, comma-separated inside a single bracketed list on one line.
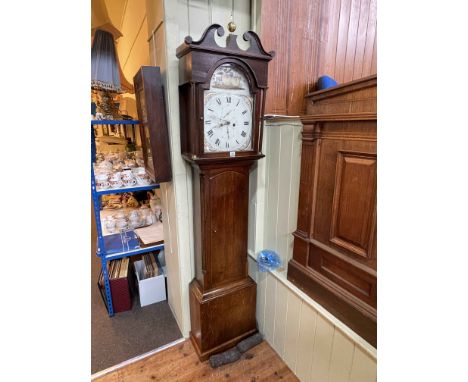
[(222, 99)]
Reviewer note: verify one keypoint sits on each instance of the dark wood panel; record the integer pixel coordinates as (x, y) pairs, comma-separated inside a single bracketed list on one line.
[(343, 29), (352, 40), (334, 252), (361, 39), (363, 324), (371, 40), (222, 317), (354, 201), (359, 281), (305, 193), (303, 45), (275, 36), (315, 38), (329, 22), (374, 57), (228, 193), (151, 109)]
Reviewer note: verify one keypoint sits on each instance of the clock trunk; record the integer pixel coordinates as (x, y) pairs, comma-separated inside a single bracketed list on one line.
[(222, 295)]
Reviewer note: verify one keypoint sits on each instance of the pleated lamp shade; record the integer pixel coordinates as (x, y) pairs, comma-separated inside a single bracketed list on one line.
[(105, 71)]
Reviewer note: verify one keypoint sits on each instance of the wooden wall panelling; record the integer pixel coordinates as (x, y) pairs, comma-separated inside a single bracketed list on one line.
[(293, 189), (358, 200), (270, 308), (305, 193), (199, 16), (299, 351), (374, 56), (273, 186), (361, 39), (314, 348), (314, 38), (341, 358), (329, 22), (280, 318), (306, 342), (285, 178), (304, 20), (335, 258), (323, 344), (291, 335), (371, 40), (352, 39), (275, 36), (363, 368), (343, 30), (221, 14), (283, 147), (261, 300)]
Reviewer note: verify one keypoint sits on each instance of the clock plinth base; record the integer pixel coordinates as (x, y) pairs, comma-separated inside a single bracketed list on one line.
[(222, 317)]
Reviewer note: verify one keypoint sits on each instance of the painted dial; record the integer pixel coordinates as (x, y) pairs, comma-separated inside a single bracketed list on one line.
[(227, 123), (228, 112)]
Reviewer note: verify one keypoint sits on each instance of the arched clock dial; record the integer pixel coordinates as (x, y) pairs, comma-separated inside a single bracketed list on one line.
[(228, 109)]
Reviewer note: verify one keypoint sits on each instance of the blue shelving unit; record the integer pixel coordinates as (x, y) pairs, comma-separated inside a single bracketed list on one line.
[(116, 246)]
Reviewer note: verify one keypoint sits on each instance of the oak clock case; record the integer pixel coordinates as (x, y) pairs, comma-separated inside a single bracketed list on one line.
[(222, 96)]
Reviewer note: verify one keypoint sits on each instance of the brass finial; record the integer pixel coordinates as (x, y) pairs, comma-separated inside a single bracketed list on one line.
[(232, 27)]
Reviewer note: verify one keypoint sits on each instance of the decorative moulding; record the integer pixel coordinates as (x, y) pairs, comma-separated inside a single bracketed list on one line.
[(207, 42)]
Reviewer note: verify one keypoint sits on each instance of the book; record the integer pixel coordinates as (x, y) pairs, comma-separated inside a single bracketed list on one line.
[(124, 267), (119, 280)]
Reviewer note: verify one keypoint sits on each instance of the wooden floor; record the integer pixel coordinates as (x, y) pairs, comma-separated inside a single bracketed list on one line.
[(180, 363)]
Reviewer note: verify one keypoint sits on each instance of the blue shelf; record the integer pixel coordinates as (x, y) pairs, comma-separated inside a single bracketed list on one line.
[(111, 247), (114, 122), (116, 249), (128, 189), (136, 251)]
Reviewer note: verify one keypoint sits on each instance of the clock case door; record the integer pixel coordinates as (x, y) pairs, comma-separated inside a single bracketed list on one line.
[(198, 62)]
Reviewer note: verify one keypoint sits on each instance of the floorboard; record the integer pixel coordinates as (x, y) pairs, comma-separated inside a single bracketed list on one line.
[(180, 363)]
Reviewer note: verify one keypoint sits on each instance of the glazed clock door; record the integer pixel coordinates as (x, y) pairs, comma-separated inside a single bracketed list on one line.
[(228, 109)]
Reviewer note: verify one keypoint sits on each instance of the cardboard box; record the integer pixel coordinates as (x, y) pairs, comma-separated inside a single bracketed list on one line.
[(151, 290)]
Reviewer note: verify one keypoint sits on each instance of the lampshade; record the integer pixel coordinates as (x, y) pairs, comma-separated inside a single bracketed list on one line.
[(105, 74)]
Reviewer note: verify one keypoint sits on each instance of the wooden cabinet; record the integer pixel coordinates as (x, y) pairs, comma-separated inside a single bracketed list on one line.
[(335, 249), (151, 110)]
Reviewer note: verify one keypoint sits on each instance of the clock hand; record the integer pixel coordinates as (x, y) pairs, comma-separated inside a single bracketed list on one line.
[(227, 113), (220, 125)]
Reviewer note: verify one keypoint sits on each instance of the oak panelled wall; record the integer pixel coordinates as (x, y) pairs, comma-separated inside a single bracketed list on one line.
[(312, 38), (335, 257)]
